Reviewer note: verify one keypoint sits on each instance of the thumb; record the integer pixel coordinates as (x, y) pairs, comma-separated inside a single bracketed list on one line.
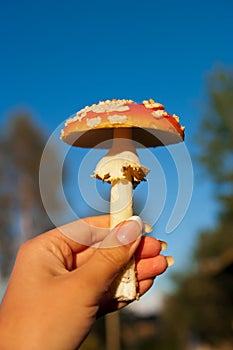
[(113, 254)]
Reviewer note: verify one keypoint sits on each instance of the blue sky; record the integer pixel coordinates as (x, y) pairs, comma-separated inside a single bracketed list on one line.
[(58, 56)]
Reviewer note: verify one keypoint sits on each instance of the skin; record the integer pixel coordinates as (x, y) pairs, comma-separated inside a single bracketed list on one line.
[(59, 286)]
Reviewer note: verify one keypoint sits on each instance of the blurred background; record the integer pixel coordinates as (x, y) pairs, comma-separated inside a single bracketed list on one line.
[(57, 57)]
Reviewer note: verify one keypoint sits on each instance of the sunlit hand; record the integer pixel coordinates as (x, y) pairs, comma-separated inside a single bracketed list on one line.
[(61, 278)]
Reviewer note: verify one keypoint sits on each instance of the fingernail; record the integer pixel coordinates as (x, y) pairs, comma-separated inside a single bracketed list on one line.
[(147, 227), (130, 230), (170, 260), (138, 220), (163, 245)]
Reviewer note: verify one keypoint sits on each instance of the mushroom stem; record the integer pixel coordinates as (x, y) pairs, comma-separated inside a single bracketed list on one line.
[(121, 205), (122, 169), (116, 168), (124, 287), (121, 208)]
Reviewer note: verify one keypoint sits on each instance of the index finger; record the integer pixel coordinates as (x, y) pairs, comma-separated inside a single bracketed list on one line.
[(84, 232)]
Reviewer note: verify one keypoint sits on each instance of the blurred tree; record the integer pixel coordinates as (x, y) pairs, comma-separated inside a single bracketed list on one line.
[(217, 130), (5, 209), (201, 309), (22, 214)]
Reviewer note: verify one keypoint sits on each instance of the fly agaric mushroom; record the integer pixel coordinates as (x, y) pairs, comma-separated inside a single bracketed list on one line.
[(121, 122)]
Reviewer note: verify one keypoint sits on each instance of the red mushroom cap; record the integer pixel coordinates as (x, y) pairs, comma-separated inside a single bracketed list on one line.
[(151, 125)]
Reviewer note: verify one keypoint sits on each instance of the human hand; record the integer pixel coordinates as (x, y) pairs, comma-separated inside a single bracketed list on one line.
[(61, 278)]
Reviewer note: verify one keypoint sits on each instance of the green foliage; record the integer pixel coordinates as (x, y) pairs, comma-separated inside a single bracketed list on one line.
[(216, 130), (214, 242), (201, 309), (96, 338)]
